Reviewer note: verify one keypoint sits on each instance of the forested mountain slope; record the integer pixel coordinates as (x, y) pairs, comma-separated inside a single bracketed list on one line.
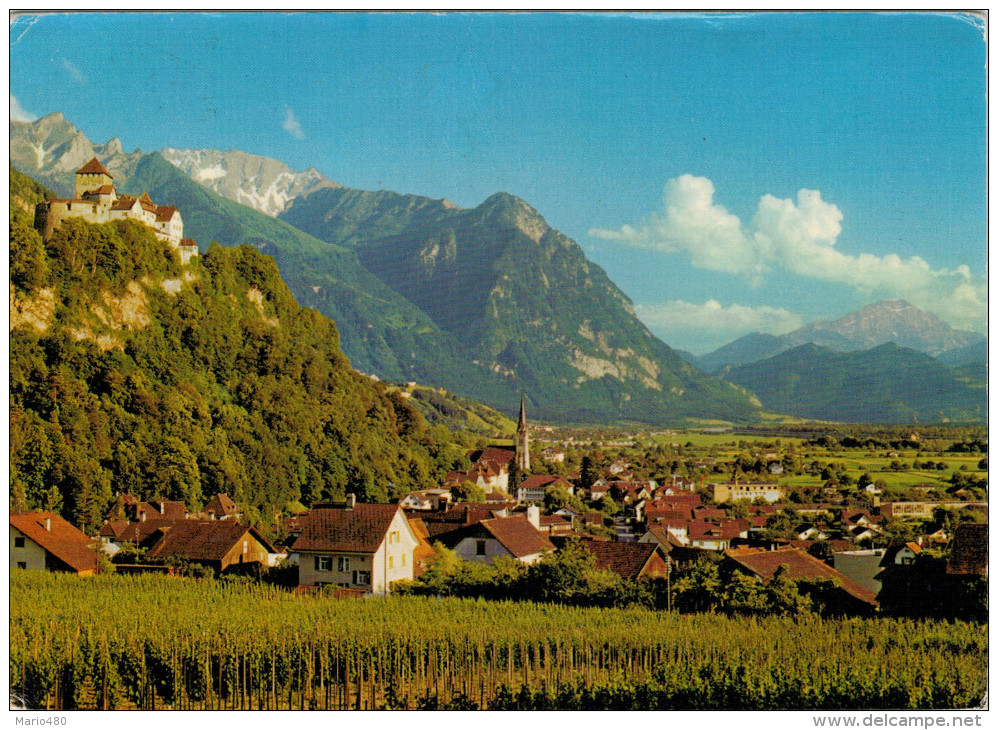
[(131, 373)]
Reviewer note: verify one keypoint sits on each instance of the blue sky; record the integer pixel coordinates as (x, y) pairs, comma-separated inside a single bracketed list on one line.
[(732, 173)]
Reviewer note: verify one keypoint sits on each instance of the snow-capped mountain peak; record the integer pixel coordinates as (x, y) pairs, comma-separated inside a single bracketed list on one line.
[(262, 183)]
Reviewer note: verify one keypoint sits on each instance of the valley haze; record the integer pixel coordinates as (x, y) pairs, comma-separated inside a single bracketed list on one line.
[(731, 173)]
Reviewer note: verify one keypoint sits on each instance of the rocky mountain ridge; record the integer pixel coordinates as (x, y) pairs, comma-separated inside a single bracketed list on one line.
[(262, 183)]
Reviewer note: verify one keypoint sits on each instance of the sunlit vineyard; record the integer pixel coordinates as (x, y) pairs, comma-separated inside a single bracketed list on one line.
[(151, 642)]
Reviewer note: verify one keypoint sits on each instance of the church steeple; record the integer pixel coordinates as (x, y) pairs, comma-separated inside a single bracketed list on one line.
[(522, 441)]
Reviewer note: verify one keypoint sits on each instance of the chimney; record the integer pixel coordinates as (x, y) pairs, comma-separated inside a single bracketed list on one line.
[(534, 516), (48, 524), (142, 515), (351, 500), (162, 508)]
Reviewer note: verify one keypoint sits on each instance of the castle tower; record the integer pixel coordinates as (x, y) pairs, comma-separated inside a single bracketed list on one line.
[(92, 176), (522, 442)]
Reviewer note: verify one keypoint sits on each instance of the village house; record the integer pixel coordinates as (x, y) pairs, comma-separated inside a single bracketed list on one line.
[(517, 537), (425, 499), (969, 551), (221, 507), (715, 536), (97, 201), (532, 488), (629, 560), (799, 566), (353, 545), (221, 545), (45, 541)]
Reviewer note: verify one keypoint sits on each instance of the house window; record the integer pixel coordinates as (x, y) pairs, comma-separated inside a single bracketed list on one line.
[(22, 565), (391, 561), (480, 547), (362, 577), (323, 562), (343, 565), (19, 542), (403, 560)]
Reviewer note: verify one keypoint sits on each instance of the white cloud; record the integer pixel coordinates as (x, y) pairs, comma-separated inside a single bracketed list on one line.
[(702, 328), (18, 113), (291, 125), (74, 71), (797, 237)]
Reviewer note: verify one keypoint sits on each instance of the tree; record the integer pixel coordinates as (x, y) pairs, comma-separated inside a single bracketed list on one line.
[(468, 492), (587, 474), (700, 589), (556, 497)]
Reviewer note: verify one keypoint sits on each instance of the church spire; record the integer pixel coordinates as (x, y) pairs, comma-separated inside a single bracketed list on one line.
[(522, 440)]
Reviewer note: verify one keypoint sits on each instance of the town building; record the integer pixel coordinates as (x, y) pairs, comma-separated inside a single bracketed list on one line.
[(746, 491)]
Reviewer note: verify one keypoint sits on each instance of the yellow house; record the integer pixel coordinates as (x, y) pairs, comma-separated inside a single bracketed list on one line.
[(725, 492)]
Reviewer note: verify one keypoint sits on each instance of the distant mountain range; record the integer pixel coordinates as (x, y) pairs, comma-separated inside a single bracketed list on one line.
[(487, 302), (890, 321), (886, 384)]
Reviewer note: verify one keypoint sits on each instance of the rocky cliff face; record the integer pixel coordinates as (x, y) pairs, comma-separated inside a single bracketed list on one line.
[(261, 183), (50, 150)]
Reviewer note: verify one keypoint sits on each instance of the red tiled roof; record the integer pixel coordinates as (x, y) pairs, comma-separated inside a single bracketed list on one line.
[(517, 535), (627, 559), (536, 481), (555, 520), (188, 242), (170, 510), (360, 530), (720, 530), (667, 514), (800, 566), (94, 167), (202, 539), (969, 550), (124, 202), (61, 540), (113, 529), (139, 532), (493, 455), (222, 504)]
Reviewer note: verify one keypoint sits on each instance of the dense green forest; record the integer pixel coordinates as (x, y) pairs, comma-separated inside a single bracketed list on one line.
[(130, 373)]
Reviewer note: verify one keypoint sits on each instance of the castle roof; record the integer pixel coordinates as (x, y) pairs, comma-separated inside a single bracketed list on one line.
[(146, 202), (165, 212), (94, 167)]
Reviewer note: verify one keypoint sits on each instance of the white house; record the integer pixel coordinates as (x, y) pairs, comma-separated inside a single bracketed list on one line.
[(362, 546)]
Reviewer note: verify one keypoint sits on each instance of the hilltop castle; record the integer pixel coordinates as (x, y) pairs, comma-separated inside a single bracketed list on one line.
[(97, 201)]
